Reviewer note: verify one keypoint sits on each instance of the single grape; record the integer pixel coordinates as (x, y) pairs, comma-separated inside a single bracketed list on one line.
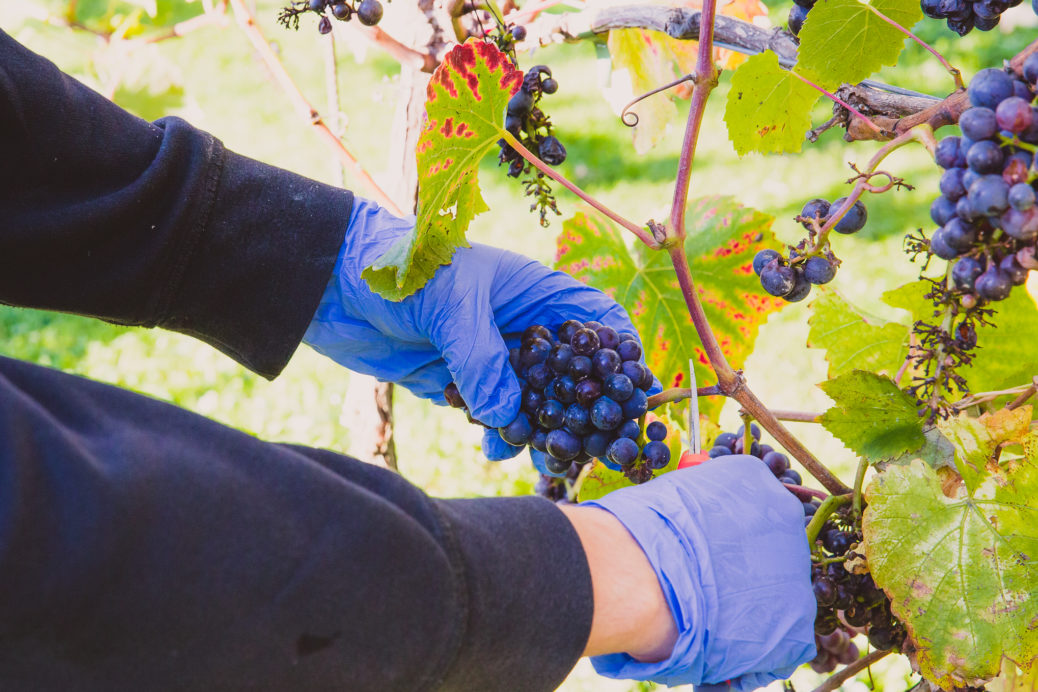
[(629, 350), (884, 638), (800, 289), (551, 415), (817, 209), (1014, 114), (369, 12), (627, 336), (762, 258), (516, 168), (520, 104), (623, 451), (853, 221), (939, 246), (539, 375), (985, 157), (961, 26), (587, 391), (777, 462), (1022, 225), (629, 429), (656, 431), (551, 151), (580, 367), (978, 123), (559, 358), (532, 400), (718, 451), (549, 86), (606, 414), (990, 87), (565, 389), (324, 26), (585, 342), (518, 33), (453, 396), (597, 443), (518, 431), (969, 177), (1022, 90), (635, 371), (960, 235), (951, 184), (568, 329), (618, 387), (825, 591), (593, 325), (608, 337), (636, 405), (989, 195), (942, 210), (791, 476), (809, 509), (825, 625), (947, 152), (563, 445), (819, 270), (1030, 67), (606, 361), (1012, 267), (317, 5), (994, 284), (536, 351), (777, 279), (535, 331), (341, 11), (578, 420), (656, 454), (795, 22), (727, 439), (965, 211), (538, 440)]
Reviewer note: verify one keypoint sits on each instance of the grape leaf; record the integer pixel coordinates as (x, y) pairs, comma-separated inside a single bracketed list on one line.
[(724, 237), (960, 560), (642, 62), (1007, 350), (938, 452), (845, 41), (872, 417), (465, 105), (911, 297), (853, 341), (768, 109)]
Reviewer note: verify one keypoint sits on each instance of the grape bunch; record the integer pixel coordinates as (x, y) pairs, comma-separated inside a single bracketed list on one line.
[(986, 210), (735, 443), (965, 15), (797, 15), (533, 128), (810, 262), (584, 391), (834, 648), (367, 12)]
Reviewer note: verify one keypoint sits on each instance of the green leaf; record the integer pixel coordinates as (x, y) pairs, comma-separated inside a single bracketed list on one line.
[(644, 63), (465, 105), (938, 452), (960, 561), (768, 109), (724, 238), (853, 341), (872, 417), (1008, 349), (977, 439), (845, 41), (911, 297)]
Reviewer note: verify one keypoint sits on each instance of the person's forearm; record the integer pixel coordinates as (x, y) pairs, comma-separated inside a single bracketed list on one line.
[(137, 223), (631, 615)]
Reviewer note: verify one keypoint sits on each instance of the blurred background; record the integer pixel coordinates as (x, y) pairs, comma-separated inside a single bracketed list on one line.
[(213, 78)]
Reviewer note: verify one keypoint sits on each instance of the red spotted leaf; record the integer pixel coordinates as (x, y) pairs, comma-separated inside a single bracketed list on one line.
[(724, 238), (465, 106)]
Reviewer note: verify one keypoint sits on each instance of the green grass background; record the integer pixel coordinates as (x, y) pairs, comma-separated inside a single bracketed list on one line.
[(213, 79)]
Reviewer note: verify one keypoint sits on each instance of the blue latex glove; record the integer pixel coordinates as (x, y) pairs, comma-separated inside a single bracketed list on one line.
[(727, 543), (452, 328)]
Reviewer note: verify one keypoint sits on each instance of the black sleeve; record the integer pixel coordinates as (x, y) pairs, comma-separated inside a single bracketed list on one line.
[(143, 547), (105, 214)]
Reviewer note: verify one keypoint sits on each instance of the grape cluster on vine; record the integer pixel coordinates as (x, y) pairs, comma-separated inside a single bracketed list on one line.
[(963, 16), (533, 128), (367, 12), (584, 392), (810, 262)]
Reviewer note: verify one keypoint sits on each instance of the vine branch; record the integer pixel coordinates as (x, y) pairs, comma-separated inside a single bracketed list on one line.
[(834, 681)]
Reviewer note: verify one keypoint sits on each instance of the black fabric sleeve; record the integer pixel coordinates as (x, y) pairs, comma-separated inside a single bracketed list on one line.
[(143, 547), (105, 214)]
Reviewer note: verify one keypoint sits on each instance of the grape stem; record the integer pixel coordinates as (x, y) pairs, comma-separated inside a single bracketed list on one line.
[(1026, 391), (859, 480), (747, 432), (822, 514), (634, 228), (676, 394), (306, 111), (834, 681), (805, 494), (797, 416), (953, 71), (1025, 395), (846, 106)]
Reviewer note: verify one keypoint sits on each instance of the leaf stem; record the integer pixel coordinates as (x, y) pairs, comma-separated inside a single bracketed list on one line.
[(955, 73), (705, 81), (848, 107), (733, 384), (834, 681), (642, 234), (859, 479), (822, 514), (747, 432)]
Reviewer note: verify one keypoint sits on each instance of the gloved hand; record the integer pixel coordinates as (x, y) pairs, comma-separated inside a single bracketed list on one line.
[(727, 543), (452, 328)]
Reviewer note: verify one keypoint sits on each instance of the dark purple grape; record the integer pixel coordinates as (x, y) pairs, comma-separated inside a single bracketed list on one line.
[(593, 325), (795, 22), (636, 405), (629, 429), (755, 432), (535, 331), (818, 209), (1012, 267), (607, 337), (563, 445), (825, 591), (947, 152), (587, 391), (606, 414), (627, 336), (942, 210), (585, 342), (883, 638), (965, 211), (629, 350), (994, 284), (819, 270), (989, 195), (568, 329), (718, 451), (553, 464), (777, 279), (551, 415), (536, 351), (656, 431), (809, 509), (565, 389), (341, 11), (520, 104), (516, 168), (853, 221), (837, 542), (791, 476), (618, 387), (960, 26), (1030, 67), (985, 157), (965, 273), (727, 439), (532, 400), (317, 5), (940, 247), (990, 87), (549, 86), (551, 151), (1022, 225), (1014, 114), (826, 624), (801, 288), (453, 396), (969, 177), (518, 33), (369, 12), (951, 184), (978, 123), (762, 258), (580, 367), (518, 431), (606, 361), (960, 235), (539, 375), (777, 462), (578, 420), (656, 455), (635, 371), (597, 443), (623, 451), (1021, 90), (538, 440), (324, 25), (559, 358), (648, 381)]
